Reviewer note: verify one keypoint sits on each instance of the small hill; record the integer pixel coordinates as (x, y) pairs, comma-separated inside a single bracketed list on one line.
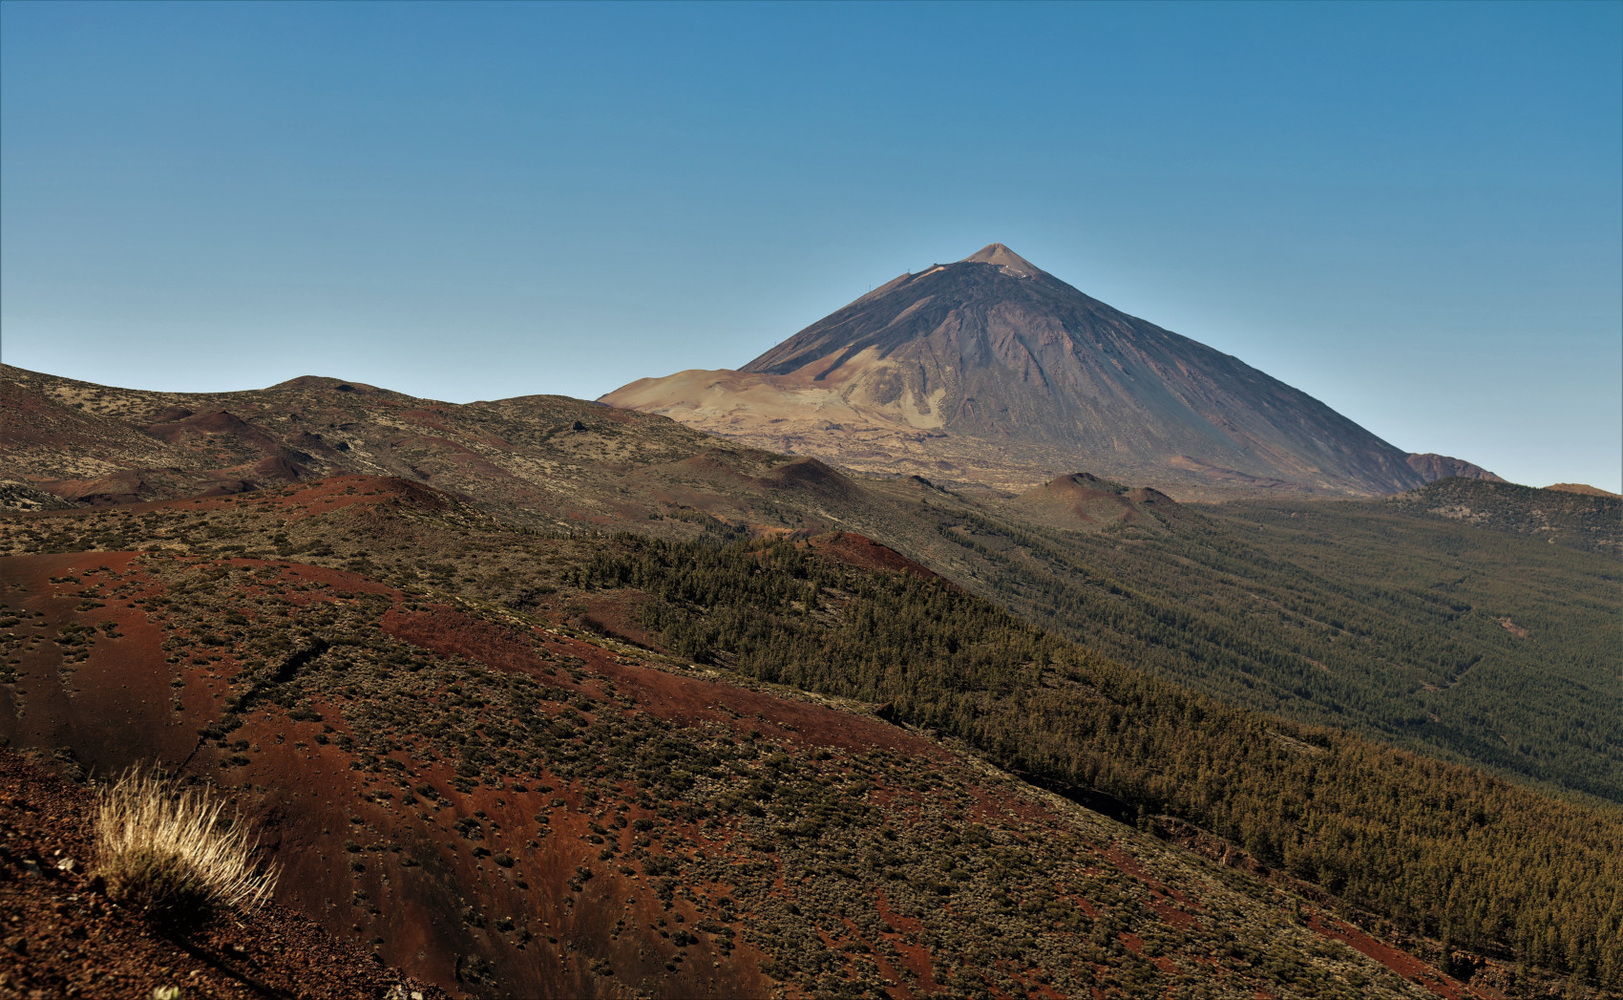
[(1084, 502), (1583, 488), (1587, 519), (1433, 467), (865, 553)]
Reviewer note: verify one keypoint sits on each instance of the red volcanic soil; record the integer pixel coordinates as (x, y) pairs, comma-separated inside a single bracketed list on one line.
[(439, 907), (219, 423), (62, 937), (373, 864), (290, 501), (446, 630), (106, 688), (686, 700), (1180, 919), (122, 487), (358, 856), (865, 553), (673, 697), (348, 490), (1401, 962), (109, 698), (913, 956), (619, 616), (276, 468)]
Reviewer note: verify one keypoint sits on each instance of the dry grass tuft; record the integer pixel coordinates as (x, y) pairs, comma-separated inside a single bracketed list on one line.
[(167, 850)]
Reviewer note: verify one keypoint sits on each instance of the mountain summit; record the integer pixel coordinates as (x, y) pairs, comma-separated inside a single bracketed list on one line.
[(1001, 256), (992, 370)]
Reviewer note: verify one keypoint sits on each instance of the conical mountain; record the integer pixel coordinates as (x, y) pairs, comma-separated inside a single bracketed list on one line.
[(992, 370)]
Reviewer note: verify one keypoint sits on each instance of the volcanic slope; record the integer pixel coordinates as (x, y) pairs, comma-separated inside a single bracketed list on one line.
[(508, 808), (991, 370), (502, 804)]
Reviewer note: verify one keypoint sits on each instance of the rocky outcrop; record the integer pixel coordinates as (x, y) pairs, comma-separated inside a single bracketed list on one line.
[(1433, 467)]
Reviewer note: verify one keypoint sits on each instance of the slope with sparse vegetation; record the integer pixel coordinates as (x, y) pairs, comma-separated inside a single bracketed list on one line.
[(401, 682)]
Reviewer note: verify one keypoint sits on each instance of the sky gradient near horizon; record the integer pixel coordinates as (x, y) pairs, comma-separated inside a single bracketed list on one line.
[(1413, 212)]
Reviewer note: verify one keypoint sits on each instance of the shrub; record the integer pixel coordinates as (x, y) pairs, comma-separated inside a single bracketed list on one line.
[(167, 851)]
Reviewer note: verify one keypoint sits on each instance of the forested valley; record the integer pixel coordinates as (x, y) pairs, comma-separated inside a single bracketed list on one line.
[(1436, 848), (1480, 646)]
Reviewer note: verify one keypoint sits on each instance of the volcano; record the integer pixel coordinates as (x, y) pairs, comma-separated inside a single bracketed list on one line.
[(991, 370)]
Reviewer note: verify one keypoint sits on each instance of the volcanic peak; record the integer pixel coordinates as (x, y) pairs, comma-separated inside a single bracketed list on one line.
[(1001, 256), (991, 370)]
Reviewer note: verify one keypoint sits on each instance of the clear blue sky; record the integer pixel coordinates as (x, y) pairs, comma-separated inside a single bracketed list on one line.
[(1412, 212)]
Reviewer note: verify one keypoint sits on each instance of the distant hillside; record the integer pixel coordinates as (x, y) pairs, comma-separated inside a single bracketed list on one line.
[(1587, 519), (1431, 633), (546, 461)]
